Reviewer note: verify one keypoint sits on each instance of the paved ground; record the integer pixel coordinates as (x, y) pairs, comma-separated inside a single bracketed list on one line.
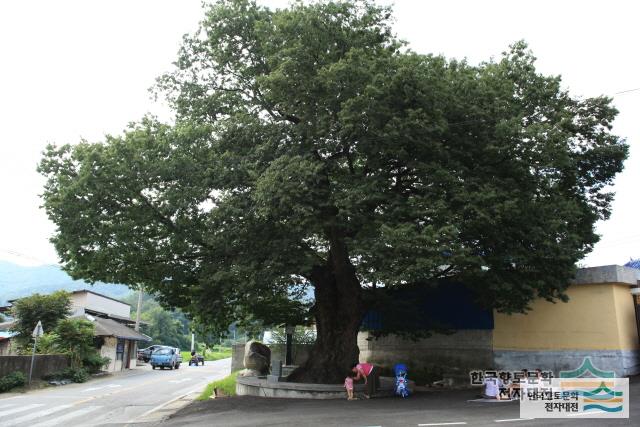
[(425, 409), (116, 400)]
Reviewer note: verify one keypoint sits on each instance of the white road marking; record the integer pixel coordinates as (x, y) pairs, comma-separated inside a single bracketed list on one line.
[(3, 406), (69, 415), (458, 423), (20, 408), (104, 386), (585, 413), (512, 420), (180, 381), (33, 416)]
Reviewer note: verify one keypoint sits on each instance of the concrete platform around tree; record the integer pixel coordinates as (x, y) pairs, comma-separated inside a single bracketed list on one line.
[(260, 387)]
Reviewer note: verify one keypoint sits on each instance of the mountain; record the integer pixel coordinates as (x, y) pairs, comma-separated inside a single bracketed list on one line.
[(18, 281)]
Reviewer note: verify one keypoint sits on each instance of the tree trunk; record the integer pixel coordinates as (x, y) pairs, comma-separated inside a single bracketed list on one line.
[(338, 312)]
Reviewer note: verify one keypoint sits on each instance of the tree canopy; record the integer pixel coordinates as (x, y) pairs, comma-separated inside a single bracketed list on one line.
[(313, 149)]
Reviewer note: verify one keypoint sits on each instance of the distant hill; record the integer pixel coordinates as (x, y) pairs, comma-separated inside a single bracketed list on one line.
[(17, 281)]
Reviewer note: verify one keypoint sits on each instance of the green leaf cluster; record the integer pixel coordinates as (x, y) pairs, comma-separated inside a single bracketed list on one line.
[(27, 311), (12, 380)]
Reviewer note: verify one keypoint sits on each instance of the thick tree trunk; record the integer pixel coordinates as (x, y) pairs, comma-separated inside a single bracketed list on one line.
[(338, 312)]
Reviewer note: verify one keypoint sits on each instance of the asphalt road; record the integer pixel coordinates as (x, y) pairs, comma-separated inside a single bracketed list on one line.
[(437, 408), (115, 400)]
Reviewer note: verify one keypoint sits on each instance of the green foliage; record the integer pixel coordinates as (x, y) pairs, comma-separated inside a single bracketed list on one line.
[(48, 344), (13, 380), (312, 149), (94, 363), (301, 335), (216, 353), (75, 374), (48, 309), (76, 339), (164, 326), (227, 386)]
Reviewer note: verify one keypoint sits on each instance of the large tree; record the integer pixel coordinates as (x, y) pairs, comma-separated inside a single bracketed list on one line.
[(311, 148)]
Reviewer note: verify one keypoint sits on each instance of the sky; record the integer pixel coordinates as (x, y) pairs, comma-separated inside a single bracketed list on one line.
[(72, 70)]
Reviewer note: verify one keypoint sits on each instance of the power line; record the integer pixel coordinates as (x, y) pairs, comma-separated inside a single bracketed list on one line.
[(627, 91), (23, 256)]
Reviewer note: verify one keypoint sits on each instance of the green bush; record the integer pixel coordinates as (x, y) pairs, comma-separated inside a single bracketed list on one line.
[(94, 363), (77, 375), (13, 380), (227, 385)]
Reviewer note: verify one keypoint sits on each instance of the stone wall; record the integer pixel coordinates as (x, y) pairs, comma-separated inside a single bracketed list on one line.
[(237, 357), (459, 352), (301, 353), (623, 362), (44, 364)]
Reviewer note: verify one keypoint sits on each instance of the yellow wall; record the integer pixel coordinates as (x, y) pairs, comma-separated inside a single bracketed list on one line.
[(626, 313), (597, 317)]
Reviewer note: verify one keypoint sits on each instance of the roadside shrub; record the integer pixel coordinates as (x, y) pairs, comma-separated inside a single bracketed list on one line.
[(77, 375), (76, 339), (94, 363), (227, 386), (13, 380)]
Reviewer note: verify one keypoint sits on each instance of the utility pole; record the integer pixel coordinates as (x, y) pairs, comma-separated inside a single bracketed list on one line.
[(137, 326)]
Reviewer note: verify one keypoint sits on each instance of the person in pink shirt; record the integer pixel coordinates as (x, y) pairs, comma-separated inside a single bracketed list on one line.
[(370, 374), (348, 384)]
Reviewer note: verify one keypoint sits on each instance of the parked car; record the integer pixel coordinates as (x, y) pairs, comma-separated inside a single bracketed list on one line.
[(166, 357), (144, 354)]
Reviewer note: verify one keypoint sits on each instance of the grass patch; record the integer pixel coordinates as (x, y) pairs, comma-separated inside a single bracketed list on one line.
[(216, 354), (227, 385)]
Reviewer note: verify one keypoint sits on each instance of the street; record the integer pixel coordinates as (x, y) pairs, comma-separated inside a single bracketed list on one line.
[(117, 400), (433, 408)]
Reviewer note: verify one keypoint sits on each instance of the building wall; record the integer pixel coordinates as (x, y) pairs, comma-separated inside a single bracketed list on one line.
[(598, 322), (108, 349), (626, 316), (587, 322), (133, 355), (106, 305), (79, 301)]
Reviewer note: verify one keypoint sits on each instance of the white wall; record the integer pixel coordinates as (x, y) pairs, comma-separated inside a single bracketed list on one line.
[(109, 350), (98, 303)]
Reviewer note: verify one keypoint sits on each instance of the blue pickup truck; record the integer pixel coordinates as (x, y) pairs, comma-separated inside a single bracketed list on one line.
[(166, 357)]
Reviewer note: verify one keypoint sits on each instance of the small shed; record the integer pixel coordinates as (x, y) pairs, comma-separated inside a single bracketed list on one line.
[(118, 342)]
